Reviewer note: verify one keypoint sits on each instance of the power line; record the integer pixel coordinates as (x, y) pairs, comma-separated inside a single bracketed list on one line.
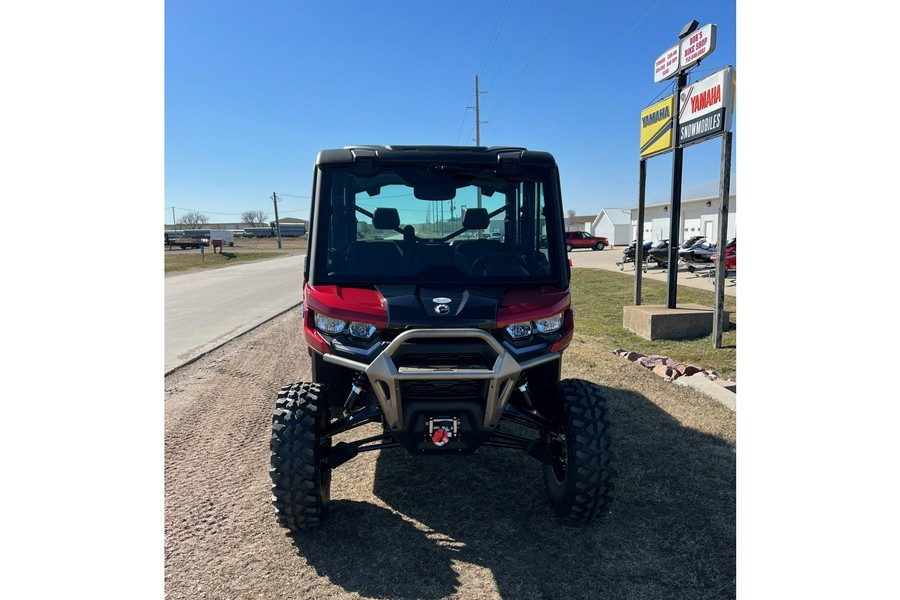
[(512, 44), (461, 125), (624, 37), (496, 37), (528, 62)]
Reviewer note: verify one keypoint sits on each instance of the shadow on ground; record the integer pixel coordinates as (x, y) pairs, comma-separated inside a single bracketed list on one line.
[(670, 533)]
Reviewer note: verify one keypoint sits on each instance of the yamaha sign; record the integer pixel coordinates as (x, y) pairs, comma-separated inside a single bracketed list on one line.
[(706, 108)]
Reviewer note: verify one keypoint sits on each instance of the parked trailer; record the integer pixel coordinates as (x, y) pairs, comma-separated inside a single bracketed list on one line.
[(195, 238), (259, 232), (184, 241), (225, 235), (293, 230)]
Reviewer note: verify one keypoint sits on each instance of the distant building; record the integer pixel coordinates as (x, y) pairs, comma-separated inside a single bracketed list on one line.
[(699, 216), (582, 223), (614, 224)]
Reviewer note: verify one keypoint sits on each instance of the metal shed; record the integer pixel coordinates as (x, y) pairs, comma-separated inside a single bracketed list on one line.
[(615, 225)]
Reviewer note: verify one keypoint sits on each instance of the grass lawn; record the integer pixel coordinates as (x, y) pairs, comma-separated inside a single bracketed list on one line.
[(245, 250), (599, 296), (190, 261)]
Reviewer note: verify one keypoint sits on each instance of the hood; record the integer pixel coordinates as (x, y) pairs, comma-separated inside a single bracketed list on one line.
[(426, 306)]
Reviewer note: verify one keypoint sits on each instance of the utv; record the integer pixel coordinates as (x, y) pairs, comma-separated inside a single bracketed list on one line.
[(416, 318)]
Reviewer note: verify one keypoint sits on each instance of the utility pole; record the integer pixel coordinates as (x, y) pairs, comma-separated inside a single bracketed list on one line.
[(477, 126), (277, 223), (477, 115), (174, 224)]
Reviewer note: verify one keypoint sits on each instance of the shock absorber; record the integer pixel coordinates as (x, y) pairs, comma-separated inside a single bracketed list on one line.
[(522, 386), (360, 381)]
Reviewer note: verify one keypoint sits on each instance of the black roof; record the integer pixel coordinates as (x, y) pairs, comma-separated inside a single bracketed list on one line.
[(425, 153)]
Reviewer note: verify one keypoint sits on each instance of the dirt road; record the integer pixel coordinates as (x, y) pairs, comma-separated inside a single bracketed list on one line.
[(470, 527)]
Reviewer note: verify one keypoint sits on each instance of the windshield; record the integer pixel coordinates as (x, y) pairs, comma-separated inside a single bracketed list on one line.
[(434, 224)]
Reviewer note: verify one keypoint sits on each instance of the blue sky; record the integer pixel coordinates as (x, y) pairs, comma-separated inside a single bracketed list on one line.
[(254, 90)]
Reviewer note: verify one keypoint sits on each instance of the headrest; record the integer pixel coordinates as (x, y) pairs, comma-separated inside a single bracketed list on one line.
[(476, 218), (386, 218)]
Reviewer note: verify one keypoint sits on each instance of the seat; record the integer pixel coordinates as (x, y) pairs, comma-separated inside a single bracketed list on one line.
[(468, 251), (386, 218), (376, 257), (476, 218)]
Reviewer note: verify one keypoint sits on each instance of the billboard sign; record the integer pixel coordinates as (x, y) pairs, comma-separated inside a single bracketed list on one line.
[(697, 46), (666, 66), (706, 108), (656, 127)]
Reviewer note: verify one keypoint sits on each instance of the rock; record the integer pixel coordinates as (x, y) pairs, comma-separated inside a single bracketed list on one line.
[(667, 373), (653, 360), (685, 369)]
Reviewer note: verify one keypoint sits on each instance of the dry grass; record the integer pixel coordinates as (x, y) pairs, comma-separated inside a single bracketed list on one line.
[(480, 526), (244, 250)]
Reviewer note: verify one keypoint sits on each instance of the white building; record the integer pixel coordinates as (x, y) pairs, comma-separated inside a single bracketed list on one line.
[(699, 216), (614, 224)]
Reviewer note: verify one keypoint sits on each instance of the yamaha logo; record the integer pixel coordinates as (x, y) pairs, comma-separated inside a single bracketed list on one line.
[(442, 307)]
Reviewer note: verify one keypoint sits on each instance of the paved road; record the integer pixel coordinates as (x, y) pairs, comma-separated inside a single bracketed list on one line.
[(208, 308)]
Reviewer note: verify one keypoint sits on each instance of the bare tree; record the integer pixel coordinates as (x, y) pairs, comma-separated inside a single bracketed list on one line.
[(571, 213), (193, 220), (254, 217)]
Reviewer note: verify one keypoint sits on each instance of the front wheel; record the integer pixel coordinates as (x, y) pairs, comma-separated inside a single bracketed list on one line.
[(301, 478), (580, 478), (600, 246)]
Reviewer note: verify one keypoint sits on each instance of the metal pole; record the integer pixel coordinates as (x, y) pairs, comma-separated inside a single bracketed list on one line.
[(675, 208), (477, 127), (639, 248), (277, 222), (722, 240), (477, 115), (174, 224)]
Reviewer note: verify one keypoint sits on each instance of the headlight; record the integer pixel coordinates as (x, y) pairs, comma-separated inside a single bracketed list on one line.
[(518, 331), (362, 330), (550, 324), (329, 325)]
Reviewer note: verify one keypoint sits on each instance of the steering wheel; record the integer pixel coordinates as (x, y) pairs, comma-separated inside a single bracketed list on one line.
[(499, 263)]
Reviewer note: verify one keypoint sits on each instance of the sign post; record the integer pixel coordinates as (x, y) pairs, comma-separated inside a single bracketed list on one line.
[(697, 113)]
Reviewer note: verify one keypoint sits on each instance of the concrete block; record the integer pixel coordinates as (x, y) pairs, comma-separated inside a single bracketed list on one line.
[(657, 322), (709, 388)]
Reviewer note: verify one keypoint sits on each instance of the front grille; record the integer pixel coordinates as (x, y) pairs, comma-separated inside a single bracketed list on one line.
[(442, 389), (443, 361)]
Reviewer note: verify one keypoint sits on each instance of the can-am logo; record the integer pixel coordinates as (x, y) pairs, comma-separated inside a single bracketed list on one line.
[(442, 307)]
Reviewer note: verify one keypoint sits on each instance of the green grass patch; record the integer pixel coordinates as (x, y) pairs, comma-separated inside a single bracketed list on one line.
[(599, 297), (194, 260)]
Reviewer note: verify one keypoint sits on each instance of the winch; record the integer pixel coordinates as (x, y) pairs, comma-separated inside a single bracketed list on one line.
[(441, 430)]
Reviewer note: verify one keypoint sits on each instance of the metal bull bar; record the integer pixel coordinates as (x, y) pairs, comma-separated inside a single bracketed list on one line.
[(385, 378)]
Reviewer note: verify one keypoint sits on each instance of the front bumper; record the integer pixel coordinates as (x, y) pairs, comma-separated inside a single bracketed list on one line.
[(386, 378)]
